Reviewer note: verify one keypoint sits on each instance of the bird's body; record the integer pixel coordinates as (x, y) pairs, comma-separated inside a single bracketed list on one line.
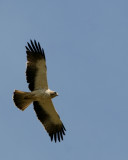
[(40, 95)]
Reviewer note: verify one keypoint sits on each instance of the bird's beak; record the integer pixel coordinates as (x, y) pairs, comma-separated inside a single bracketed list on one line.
[(57, 94)]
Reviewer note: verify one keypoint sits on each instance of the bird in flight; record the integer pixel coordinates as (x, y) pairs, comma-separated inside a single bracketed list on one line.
[(40, 95)]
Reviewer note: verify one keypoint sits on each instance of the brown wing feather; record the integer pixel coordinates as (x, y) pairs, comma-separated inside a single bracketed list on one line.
[(36, 72), (50, 119)]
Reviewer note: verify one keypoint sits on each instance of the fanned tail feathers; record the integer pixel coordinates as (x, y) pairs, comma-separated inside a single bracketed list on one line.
[(21, 99)]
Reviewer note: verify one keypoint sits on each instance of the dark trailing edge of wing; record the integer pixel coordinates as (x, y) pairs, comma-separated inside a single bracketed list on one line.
[(34, 53), (55, 132)]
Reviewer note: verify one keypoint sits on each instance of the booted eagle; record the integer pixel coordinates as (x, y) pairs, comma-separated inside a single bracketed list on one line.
[(40, 95)]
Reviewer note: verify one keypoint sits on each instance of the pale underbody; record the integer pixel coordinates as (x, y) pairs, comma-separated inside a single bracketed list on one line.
[(41, 94)]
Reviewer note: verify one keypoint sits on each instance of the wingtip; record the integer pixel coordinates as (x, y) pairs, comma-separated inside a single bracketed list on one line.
[(55, 137), (31, 41), (51, 136), (34, 46), (26, 48)]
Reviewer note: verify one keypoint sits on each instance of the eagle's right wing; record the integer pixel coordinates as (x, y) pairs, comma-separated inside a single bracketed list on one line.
[(36, 72)]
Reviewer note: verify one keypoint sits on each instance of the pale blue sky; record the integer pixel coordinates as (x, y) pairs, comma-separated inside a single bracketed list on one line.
[(86, 46)]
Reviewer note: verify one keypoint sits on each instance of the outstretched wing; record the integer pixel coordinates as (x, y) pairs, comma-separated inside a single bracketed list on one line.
[(36, 72), (48, 116)]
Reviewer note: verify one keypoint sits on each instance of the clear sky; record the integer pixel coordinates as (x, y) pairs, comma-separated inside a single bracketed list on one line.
[(86, 47)]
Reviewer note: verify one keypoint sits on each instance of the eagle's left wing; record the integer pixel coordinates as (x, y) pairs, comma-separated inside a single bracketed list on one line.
[(48, 116)]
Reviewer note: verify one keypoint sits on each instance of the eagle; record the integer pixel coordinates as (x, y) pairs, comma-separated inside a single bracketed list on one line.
[(40, 95)]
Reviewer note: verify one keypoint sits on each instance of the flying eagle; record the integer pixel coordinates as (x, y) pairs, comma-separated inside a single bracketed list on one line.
[(40, 95)]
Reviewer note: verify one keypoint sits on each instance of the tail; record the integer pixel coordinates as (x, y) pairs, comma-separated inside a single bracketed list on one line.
[(22, 99)]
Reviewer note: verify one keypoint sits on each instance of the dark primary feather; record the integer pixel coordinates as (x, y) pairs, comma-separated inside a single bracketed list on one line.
[(39, 47), (55, 132), (36, 46), (34, 53)]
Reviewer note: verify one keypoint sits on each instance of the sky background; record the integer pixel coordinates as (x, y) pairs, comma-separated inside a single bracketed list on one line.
[(86, 47)]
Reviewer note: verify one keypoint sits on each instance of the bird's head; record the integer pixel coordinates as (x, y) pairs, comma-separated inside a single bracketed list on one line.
[(53, 94)]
